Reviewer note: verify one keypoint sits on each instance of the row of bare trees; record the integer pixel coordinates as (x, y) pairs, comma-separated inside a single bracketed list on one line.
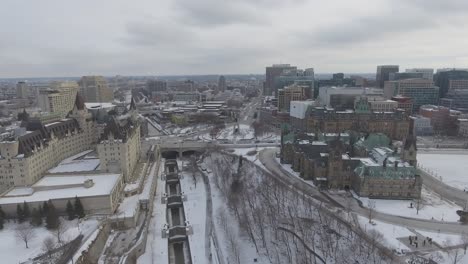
[(284, 225)]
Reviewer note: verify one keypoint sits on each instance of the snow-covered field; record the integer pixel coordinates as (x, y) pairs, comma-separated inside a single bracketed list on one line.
[(389, 232), (394, 234), (452, 169), (431, 207), (13, 250)]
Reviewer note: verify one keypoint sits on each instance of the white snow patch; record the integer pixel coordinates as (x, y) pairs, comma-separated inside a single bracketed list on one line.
[(449, 168), (431, 207)]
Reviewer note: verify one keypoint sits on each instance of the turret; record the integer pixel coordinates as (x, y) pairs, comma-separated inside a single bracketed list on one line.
[(409, 147)]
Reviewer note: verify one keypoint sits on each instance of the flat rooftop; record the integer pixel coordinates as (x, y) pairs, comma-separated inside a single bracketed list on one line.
[(62, 187)]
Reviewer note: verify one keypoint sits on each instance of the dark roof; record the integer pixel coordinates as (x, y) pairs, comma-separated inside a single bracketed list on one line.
[(132, 104), (120, 129), (40, 133)]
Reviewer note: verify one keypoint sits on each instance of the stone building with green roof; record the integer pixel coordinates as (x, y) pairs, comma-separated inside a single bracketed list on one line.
[(385, 175)]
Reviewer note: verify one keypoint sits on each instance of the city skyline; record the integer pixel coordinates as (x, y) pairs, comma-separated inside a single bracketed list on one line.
[(207, 37)]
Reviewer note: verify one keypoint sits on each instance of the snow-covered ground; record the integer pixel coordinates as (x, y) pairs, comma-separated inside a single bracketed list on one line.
[(389, 232), (245, 133), (431, 207), (246, 247), (449, 168), (443, 239), (393, 235), (13, 250), (195, 213)]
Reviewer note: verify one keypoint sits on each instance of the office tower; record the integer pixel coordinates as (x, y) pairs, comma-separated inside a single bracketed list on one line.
[(422, 91), (59, 97), (156, 86), (274, 71), (444, 76), (383, 73), (338, 76), (95, 89), (22, 90), (427, 73), (221, 84), (396, 76)]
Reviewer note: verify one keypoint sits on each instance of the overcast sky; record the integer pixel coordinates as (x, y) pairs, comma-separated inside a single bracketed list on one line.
[(161, 37)]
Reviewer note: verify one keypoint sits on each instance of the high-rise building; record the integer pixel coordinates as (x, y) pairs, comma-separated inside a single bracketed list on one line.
[(272, 72), (456, 99), (396, 76), (444, 76), (383, 73), (221, 84), (300, 77), (95, 89), (427, 73), (338, 76), (59, 97), (309, 72), (156, 86), (22, 90), (422, 91)]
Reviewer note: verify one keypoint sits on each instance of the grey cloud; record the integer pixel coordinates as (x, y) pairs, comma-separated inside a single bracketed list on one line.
[(217, 13), (369, 28), (440, 6), (402, 16), (157, 34)]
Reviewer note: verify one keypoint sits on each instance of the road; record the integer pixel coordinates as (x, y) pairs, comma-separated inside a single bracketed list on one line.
[(248, 112), (267, 157)]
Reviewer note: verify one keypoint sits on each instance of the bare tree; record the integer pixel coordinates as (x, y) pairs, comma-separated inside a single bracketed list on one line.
[(48, 245), (25, 233), (371, 207), (419, 205), (455, 255), (61, 228), (464, 240)]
